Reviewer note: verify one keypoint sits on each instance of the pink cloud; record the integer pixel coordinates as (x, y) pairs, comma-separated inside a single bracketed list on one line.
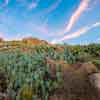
[(75, 16), (32, 5), (98, 40), (1, 35), (76, 34), (20, 36), (41, 29)]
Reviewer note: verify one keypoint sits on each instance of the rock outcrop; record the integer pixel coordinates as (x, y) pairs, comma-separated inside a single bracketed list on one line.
[(76, 85), (95, 81)]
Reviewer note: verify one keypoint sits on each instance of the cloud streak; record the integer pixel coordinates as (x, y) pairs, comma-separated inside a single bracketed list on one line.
[(51, 8), (76, 34), (75, 16), (6, 2), (98, 40), (1, 35), (33, 5)]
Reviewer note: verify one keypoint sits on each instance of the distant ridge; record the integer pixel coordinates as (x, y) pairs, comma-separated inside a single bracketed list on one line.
[(35, 41), (28, 40)]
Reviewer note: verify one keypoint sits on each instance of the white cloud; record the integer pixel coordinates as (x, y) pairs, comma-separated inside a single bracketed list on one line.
[(75, 16), (76, 34), (98, 40), (6, 2)]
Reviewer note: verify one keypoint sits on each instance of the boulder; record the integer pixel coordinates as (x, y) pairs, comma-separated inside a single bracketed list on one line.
[(87, 69), (95, 81), (76, 85)]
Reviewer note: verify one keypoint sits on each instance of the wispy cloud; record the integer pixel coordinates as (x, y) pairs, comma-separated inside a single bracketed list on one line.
[(20, 36), (6, 2), (98, 40), (41, 29), (29, 4), (50, 8), (77, 34), (93, 4), (33, 4), (82, 7), (96, 24), (1, 35)]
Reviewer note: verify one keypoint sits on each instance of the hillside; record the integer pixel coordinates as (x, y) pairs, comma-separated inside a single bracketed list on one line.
[(33, 69)]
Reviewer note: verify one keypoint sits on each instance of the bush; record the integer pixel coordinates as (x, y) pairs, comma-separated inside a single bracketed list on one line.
[(28, 75), (97, 63), (83, 57)]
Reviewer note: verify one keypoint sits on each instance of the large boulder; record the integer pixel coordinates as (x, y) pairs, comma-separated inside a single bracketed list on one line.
[(95, 81), (76, 85), (87, 68)]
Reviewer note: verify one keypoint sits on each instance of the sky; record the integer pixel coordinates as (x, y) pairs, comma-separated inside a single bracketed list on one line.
[(56, 21)]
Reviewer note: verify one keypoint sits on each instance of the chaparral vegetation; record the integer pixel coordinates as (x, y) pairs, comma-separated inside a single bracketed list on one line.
[(36, 70)]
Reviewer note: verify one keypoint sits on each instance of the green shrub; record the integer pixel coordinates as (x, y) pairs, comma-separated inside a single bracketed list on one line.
[(83, 57), (97, 63), (29, 70), (68, 56)]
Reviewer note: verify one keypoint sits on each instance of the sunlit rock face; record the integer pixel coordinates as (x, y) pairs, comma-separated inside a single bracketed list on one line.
[(77, 85), (95, 81), (34, 41)]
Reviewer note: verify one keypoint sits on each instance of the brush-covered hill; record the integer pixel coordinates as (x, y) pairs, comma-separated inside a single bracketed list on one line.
[(33, 69)]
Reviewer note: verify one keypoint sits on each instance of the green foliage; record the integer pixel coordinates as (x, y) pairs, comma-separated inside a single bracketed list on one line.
[(97, 63), (28, 72), (68, 56), (3, 81), (83, 57), (94, 49)]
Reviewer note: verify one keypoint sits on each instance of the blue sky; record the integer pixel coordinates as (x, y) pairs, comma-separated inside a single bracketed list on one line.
[(70, 21)]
